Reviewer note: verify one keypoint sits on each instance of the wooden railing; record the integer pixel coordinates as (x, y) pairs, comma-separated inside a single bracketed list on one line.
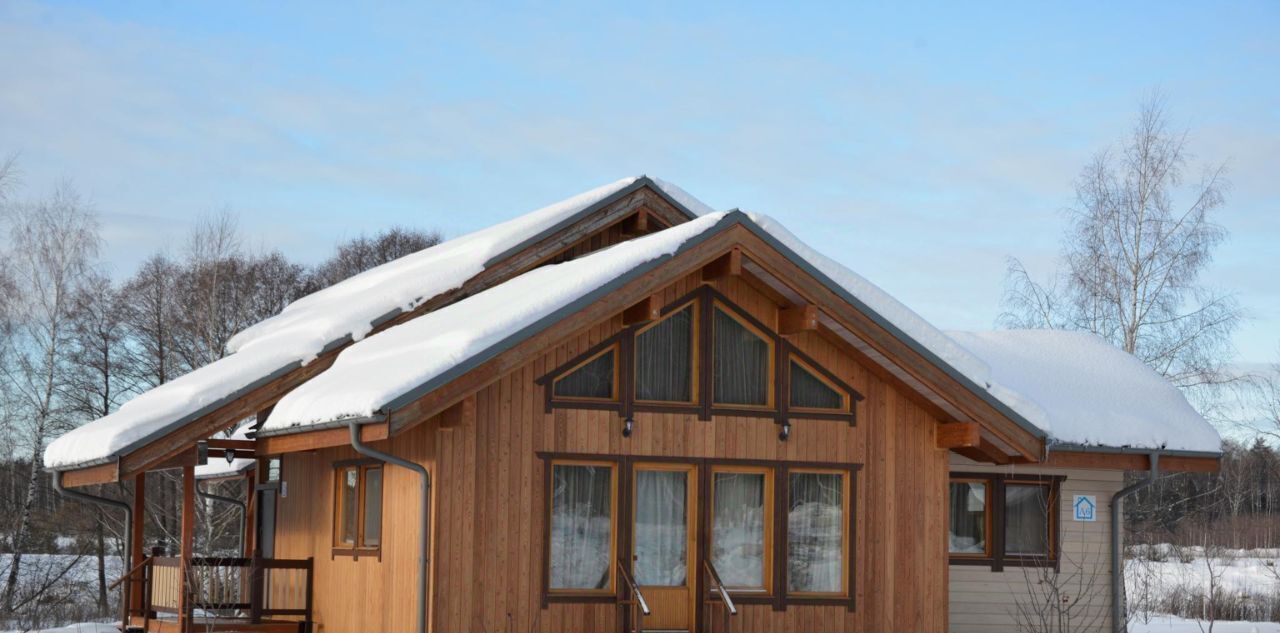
[(719, 605), (634, 606), (249, 590)]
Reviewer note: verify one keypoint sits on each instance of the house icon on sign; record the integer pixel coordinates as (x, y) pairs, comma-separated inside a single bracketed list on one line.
[(1084, 507)]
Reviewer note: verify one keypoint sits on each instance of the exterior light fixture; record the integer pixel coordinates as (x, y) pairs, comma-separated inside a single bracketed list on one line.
[(230, 455), (627, 426), (785, 432)]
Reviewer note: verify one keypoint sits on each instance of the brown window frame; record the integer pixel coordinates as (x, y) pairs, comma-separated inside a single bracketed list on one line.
[(358, 548), (703, 302), (770, 520), (846, 537), (996, 558), (613, 348), (552, 594)]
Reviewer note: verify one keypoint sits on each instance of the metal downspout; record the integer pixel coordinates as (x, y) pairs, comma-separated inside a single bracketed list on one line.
[(1118, 622), (424, 481), (244, 511), (127, 589)]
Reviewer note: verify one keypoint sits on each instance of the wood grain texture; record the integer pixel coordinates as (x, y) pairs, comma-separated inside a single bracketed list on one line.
[(488, 495)]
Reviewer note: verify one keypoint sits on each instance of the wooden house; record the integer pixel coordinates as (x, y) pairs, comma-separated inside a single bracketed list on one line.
[(625, 412)]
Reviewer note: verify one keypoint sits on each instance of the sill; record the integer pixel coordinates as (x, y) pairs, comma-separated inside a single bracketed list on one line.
[(1007, 561), (356, 553), (581, 597)]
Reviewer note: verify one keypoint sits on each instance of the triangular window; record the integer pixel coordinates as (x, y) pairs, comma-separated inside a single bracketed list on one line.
[(743, 362), (594, 379), (808, 391)]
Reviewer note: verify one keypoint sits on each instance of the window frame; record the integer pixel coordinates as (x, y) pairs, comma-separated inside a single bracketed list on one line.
[(847, 541), (551, 594), (987, 518), (358, 548), (996, 558), (770, 520), (695, 351), (846, 398), (703, 301), (771, 342), (587, 359)]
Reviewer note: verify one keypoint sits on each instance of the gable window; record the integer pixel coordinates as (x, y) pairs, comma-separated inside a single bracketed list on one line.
[(743, 362), (817, 538), (1000, 520), (665, 363), (742, 526), (594, 379), (583, 521), (703, 355), (809, 391), (357, 508)]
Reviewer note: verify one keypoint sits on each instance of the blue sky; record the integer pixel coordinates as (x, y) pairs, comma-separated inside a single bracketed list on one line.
[(921, 146)]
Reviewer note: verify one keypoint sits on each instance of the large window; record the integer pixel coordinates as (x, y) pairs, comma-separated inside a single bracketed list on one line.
[(1001, 520), (357, 508), (583, 525), (817, 541), (703, 355), (742, 526)]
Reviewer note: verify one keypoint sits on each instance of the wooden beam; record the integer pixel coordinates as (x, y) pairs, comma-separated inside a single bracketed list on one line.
[(187, 544), (137, 540), (959, 435), (221, 443), (1130, 461), (107, 473), (643, 311), (985, 451), (315, 440), (250, 512), (797, 319), (728, 265), (460, 414), (637, 224)]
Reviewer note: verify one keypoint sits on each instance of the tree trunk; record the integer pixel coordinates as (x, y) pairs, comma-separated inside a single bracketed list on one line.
[(24, 521)]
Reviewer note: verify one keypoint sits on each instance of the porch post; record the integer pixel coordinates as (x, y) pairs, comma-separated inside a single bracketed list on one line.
[(138, 553), (186, 545), (250, 514)]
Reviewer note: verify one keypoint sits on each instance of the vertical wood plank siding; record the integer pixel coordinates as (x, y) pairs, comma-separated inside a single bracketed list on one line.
[(488, 491)]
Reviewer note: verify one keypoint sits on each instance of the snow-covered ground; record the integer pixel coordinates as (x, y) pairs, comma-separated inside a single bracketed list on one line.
[(84, 627), (1170, 624)]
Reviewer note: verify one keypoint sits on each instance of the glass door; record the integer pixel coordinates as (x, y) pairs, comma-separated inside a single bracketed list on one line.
[(663, 543)]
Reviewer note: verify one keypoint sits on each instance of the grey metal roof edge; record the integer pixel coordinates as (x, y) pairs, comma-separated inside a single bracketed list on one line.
[(321, 426), (1128, 450), (243, 469), (541, 324), (897, 332)]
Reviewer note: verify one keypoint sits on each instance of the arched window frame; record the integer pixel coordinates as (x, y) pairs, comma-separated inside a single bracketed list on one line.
[(704, 301)]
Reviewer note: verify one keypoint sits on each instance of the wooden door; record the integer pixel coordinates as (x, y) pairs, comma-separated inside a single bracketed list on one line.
[(664, 543)]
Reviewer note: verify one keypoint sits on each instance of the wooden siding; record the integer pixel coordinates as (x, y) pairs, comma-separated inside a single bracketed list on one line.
[(488, 497), (983, 601)]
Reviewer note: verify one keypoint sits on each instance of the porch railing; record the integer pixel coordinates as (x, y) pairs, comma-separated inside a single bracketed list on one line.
[(719, 604), (250, 590), (634, 605)]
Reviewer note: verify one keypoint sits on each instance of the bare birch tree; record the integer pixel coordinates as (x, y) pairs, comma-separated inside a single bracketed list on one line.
[(53, 243), (1140, 238)]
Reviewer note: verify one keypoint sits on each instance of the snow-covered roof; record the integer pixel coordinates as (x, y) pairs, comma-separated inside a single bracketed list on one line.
[(348, 310), (1083, 391), (1016, 369), (378, 373)]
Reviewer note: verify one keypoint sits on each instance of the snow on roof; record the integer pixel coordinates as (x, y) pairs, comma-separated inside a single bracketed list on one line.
[(307, 326), (1082, 390), (372, 373)]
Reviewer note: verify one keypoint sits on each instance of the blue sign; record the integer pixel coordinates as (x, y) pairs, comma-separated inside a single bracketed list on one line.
[(1085, 506)]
